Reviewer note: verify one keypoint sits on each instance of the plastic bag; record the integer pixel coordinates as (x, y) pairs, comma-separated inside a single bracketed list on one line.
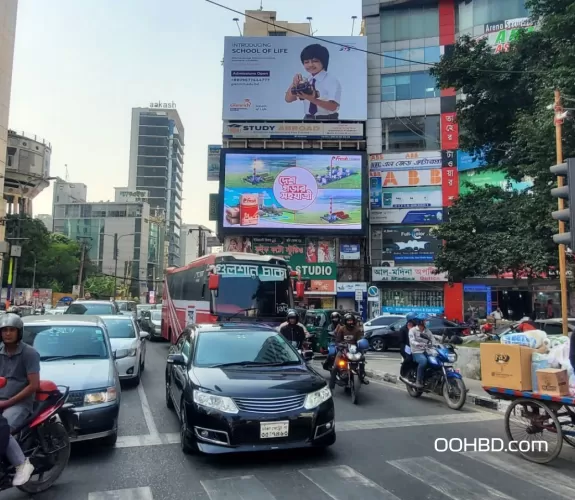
[(530, 338)]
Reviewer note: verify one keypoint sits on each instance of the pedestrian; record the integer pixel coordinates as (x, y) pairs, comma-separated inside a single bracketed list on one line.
[(550, 313), (497, 316)]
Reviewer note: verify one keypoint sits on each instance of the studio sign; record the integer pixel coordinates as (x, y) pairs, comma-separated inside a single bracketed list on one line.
[(315, 270), (162, 105)]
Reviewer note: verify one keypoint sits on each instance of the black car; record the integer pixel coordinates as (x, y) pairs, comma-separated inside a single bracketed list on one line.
[(381, 339), (238, 388)]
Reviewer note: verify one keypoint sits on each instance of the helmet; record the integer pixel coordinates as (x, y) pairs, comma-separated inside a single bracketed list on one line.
[(335, 316), (349, 317), (420, 318), (411, 316), (11, 320), (292, 314)]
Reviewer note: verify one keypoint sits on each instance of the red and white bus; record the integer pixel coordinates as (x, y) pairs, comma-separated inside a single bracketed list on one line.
[(227, 286)]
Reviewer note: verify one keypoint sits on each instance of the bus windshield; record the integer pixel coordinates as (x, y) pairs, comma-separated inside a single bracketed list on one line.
[(253, 290)]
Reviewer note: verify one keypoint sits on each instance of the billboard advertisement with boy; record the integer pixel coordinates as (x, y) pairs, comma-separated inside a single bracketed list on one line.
[(313, 192), (295, 78)]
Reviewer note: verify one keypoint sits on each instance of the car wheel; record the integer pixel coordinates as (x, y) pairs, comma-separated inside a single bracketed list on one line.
[(185, 441), (378, 344), (111, 439), (135, 382), (169, 402)]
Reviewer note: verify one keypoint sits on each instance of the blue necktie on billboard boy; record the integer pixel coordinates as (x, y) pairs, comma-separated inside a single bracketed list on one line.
[(312, 106)]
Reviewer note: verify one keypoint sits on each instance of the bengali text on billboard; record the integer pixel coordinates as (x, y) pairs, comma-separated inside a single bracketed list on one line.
[(397, 161), (292, 191), (295, 78)]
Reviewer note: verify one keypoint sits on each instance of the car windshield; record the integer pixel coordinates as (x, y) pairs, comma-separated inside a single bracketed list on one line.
[(66, 342), (156, 315), (244, 347), (257, 290), (90, 308), (122, 306), (120, 328), (398, 325)]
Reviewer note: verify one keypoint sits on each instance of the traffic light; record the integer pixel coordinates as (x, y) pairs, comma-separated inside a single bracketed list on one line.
[(566, 192)]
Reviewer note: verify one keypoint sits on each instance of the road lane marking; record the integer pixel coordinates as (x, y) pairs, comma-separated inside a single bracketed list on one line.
[(144, 440), (343, 482), (451, 483), (152, 429), (544, 477), (236, 488), (127, 494)]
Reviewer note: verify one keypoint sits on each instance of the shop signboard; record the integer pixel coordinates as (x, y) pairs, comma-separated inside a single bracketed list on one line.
[(427, 217), (449, 186), (214, 162), (449, 131), (351, 287), (259, 74), (469, 161), (297, 192), (313, 258), (398, 161), (407, 273), (500, 34), (408, 178), (349, 251), (213, 207), (412, 309), (279, 130), (408, 244), (491, 177), (427, 197)]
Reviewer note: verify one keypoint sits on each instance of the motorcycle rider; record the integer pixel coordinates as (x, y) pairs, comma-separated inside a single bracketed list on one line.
[(292, 331), (285, 323), (420, 338), (404, 348), (350, 333), (20, 365), (335, 323)]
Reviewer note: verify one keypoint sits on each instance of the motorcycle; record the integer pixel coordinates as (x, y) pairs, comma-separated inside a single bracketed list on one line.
[(350, 369), (305, 350), (440, 377), (44, 440)]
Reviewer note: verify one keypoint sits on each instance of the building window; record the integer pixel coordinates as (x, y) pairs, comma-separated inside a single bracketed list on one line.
[(480, 12), (418, 133), (409, 24), (277, 33), (405, 86), (423, 55)]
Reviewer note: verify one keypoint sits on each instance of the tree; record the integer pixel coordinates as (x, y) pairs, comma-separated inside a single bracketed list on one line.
[(100, 286), (504, 114), (48, 260)]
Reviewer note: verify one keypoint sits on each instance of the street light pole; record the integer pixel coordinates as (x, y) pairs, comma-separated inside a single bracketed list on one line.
[(116, 240)]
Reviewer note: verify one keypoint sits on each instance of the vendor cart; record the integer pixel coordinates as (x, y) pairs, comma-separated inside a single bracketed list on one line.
[(537, 418)]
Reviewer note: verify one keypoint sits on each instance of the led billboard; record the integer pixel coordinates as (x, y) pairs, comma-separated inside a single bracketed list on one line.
[(299, 192)]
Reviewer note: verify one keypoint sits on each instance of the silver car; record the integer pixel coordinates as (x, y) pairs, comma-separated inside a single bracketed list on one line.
[(129, 346)]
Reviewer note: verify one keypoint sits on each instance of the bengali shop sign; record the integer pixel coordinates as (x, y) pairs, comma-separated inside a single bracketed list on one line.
[(407, 274), (398, 161)]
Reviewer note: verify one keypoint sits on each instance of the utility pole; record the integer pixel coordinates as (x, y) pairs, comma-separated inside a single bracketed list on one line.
[(81, 271), (558, 109), (115, 262)]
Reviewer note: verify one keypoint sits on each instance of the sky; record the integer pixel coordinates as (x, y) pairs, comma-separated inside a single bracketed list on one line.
[(81, 65)]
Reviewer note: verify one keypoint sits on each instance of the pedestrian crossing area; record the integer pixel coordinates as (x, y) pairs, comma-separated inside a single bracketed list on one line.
[(497, 476)]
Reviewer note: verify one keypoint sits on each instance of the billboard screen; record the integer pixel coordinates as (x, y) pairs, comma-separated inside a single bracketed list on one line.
[(408, 244), (300, 191), (295, 78)]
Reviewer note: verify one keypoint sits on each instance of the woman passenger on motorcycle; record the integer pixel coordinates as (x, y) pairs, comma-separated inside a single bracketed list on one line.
[(420, 338), (404, 341)]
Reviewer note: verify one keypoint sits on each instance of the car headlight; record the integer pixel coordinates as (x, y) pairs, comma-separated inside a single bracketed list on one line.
[(125, 353), (314, 399), (95, 398), (220, 403), (452, 358)]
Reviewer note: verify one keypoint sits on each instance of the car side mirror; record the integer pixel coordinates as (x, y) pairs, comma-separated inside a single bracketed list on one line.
[(300, 289), (115, 355), (144, 335), (214, 282), (307, 355), (177, 360)]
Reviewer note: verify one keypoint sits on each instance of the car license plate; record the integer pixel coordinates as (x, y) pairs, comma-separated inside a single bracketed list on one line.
[(270, 430)]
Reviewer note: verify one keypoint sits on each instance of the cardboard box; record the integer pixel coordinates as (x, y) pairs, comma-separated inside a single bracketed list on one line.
[(553, 381), (507, 366)]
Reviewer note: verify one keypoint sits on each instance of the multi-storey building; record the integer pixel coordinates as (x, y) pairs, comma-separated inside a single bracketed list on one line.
[(193, 242), (8, 14), (415, 161), (156, 166)]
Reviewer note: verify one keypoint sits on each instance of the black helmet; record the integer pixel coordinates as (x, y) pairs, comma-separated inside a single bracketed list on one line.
[(335, 316), (292, 314), (11, 320), (349, 317)]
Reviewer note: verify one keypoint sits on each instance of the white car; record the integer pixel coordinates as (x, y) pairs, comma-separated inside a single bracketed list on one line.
[(381, 321), (129, 346)]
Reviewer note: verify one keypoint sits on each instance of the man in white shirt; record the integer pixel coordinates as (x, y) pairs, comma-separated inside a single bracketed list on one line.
[(322, 93)]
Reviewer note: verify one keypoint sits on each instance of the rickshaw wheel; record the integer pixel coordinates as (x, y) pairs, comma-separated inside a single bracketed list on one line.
[(529, 418), (568, 426)]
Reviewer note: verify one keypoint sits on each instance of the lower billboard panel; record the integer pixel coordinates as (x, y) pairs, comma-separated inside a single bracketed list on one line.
[(427, 217), (279, 130)]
